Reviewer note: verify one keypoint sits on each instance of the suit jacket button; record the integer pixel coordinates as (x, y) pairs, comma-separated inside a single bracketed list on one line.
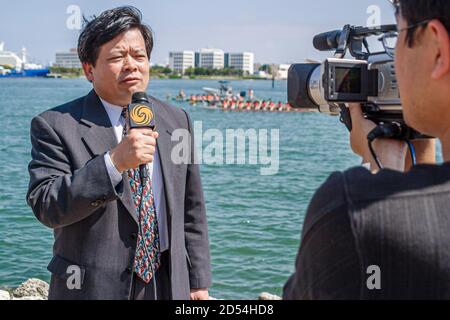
[(133, 236), (128, 270), (95, 203)]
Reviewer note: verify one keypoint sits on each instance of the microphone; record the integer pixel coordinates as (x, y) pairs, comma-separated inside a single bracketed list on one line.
[(141, 115), (327, 41)]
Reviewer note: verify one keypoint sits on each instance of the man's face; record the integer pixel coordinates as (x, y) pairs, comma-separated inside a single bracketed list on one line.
[(122, 68), (409, 68), (414, 67)]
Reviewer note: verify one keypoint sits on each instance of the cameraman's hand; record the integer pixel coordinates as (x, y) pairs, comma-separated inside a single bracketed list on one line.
[(391, 153), (137, 148), (360, 129)]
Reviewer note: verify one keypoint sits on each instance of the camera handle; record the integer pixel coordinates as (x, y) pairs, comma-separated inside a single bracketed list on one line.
[(345, 117), (341, 50)]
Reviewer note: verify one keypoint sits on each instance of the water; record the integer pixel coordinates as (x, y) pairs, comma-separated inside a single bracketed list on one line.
[(254, 221)]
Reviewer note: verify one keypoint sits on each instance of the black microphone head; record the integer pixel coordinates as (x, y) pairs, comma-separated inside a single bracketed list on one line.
[(327, 41), (139, 97)]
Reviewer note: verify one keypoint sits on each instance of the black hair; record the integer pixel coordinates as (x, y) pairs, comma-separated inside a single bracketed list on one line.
[(106, 27), (416, 12)]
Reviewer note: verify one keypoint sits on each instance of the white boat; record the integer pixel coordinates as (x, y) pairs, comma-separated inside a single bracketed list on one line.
[(15, 66), (225, 90)]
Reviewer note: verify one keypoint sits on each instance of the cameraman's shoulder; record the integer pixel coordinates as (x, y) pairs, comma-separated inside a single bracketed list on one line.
[(359, 176), (178, 117), (331, 190), (335, 192), (329, 197), (363, 186)]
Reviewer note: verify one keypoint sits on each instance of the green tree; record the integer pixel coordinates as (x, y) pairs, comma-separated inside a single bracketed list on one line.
[(160, 70), (267, 68), (212, 72), (67, 71)]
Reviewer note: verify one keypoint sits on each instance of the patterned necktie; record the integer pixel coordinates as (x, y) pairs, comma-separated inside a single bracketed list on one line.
[(148, 256)]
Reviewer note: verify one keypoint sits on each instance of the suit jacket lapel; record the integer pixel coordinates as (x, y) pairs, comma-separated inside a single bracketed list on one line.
[(100, 138)]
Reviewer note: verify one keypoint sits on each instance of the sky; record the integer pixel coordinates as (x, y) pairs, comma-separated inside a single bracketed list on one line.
[(277, 31)]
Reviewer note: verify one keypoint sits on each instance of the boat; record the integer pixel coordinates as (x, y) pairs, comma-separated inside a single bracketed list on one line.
[(24, 73), (11, 66), (225, 90), (54, 76)]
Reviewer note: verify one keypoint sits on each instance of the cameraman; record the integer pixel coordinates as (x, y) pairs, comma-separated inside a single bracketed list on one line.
[(387, 235)]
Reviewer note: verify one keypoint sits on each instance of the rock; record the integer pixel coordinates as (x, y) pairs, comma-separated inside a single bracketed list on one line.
[(268, 296), (32, 288), (30, 298), (4, 295)]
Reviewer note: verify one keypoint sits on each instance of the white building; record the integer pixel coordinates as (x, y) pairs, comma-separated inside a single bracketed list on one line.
[(68, 59), (242, 61), (282, 73), (179, 61), (262, 74), (212, 59)]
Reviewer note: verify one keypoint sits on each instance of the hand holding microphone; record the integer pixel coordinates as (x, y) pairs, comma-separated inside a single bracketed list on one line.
[(138, 147)]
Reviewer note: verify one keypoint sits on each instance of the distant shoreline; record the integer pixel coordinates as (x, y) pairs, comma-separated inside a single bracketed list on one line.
[(65, 77), (218, 78)]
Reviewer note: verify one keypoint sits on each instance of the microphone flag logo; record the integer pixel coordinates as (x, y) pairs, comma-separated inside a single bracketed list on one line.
[(141, 115)]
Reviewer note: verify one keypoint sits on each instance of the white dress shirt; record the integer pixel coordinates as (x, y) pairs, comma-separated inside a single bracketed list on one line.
[(154, 170)]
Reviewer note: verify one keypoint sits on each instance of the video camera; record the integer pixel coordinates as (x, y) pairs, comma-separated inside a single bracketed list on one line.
[(368, 79)]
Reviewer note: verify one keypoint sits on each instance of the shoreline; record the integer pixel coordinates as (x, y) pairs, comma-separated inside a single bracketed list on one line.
[(159, 78), (35, 289)]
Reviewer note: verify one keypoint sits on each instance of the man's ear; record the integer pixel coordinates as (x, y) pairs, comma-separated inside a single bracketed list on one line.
[(441, 42), (87, 68)]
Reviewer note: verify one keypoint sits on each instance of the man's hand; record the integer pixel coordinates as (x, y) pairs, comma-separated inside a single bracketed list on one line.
[(199, 294), (390, 152), (137, 148)]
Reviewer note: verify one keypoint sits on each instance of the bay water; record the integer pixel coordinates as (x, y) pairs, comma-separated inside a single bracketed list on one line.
[(255, 220)]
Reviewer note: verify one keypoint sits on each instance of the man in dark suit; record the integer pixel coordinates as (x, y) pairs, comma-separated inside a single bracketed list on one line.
[(84, 181), (384, 234)]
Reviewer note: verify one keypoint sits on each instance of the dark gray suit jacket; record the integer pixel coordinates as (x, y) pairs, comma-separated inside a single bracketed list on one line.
[(94, 223)]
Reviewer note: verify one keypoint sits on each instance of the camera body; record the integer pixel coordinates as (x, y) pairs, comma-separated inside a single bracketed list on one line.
[(368, 79)]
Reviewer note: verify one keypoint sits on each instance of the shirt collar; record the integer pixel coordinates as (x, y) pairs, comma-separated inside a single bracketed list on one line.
[(114, 112)]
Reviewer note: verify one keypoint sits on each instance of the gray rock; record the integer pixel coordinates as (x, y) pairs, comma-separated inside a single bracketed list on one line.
[(30, 298), (268, 296), (32, 288), (4, 295)]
